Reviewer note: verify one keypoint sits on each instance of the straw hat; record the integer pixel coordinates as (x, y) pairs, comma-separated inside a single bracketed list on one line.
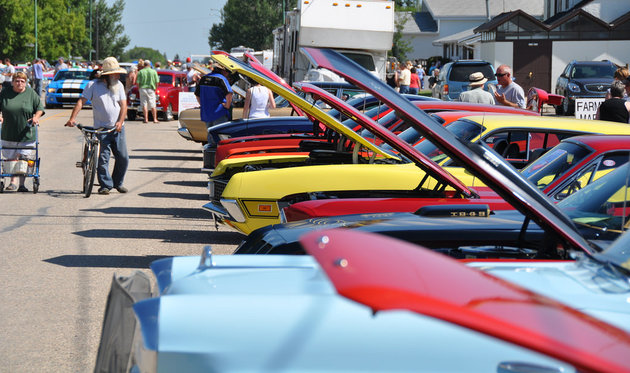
[(477, 78), (111, 66)]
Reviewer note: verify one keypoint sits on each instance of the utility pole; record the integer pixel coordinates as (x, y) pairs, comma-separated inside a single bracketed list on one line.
[(91, 45), (35, 29)]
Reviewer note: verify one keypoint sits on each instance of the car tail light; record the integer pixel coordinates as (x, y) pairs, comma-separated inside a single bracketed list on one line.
[(445, 90)]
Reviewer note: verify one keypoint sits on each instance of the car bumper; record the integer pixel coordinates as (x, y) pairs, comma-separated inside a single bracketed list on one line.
[(63, 98), (183, 132)]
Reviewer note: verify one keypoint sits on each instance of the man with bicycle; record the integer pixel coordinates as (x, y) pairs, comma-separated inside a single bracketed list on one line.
[(109, 107)]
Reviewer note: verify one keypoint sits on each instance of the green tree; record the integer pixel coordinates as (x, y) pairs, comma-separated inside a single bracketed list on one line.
[(108, 37), (400, 46), (136, 53), (16, 27), (248, 23)]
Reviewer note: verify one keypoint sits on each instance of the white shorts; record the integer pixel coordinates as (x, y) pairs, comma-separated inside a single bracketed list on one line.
[(147, 98), (11, 154)]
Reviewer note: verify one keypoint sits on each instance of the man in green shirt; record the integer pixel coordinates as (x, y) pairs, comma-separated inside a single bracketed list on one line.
[(147, 81)]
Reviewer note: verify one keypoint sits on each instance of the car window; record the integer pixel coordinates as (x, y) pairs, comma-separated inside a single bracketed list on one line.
[(365, 60), (586, 71), (72, 74), (553, 164), (460, 73), (166, 79)]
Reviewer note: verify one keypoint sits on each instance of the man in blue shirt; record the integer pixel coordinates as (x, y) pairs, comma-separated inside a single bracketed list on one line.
[(214, 94), (38, 75)]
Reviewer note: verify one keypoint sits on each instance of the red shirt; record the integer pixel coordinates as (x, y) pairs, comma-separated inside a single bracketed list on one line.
[(415, 81)]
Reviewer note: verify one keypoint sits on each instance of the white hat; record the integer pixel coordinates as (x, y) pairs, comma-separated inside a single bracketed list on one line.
[(477, 79), (111, 66)]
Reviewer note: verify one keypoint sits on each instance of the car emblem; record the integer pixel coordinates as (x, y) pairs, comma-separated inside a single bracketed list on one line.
[(600, 88)]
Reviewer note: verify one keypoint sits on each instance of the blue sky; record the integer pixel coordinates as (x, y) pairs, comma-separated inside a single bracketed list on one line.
[(176, 26)]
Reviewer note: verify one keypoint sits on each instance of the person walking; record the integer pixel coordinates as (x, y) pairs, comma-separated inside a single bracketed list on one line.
[(147, 80), (20, 110), (508, 92), (414, 82), (109, 107), (258, 101), (214, 94), (616, 108), (8, 72), (38, 76), (404, 79), (476, 93)]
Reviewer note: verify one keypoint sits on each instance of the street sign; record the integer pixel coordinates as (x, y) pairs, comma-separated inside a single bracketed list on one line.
[(586, 108)]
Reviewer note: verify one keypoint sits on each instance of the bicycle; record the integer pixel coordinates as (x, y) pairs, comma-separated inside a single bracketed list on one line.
[(90, 154)]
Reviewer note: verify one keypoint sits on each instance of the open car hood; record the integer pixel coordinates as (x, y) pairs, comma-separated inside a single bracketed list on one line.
[(387, 274), (479, 159), (388, 137), (237, 66)]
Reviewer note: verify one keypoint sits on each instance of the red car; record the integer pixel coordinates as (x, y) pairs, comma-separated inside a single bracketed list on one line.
[(172, 82), (291, 143), (569, 166)]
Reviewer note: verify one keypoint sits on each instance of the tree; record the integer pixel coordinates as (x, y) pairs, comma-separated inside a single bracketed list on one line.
[(150, 54), (108, 37), (248, 23), (400, 47)]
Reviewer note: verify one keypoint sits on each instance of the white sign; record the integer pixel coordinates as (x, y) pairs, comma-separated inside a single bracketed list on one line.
[(187, 100), (586, 108)]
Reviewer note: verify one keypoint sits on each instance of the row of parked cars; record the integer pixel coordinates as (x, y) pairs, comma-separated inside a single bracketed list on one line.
[(68, 84), (489, 233)]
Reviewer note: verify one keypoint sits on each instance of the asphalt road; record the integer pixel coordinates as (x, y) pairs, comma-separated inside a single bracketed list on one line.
[(60, 250)]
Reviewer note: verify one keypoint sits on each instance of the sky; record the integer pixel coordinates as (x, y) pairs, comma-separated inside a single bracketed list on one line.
[(173, 26)]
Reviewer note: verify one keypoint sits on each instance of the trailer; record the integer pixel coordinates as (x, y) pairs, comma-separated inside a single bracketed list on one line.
[(362, 30)]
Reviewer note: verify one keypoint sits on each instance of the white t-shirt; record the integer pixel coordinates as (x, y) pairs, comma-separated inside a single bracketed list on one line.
[(513, 93), (105, 103), (259, 102)]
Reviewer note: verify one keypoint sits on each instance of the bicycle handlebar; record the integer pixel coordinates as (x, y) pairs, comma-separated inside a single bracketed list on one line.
[(89, 129)]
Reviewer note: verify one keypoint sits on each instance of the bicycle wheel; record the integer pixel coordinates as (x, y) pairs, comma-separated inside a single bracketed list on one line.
[(90, 170)]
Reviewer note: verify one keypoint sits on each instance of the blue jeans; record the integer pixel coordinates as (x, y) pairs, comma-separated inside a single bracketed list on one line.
[(37, 86), (404, 89), (112, 143)]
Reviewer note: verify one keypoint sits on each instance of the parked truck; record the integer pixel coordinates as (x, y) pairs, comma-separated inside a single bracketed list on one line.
[(362, 30)]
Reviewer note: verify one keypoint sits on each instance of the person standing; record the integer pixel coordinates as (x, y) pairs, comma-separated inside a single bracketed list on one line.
[(258, 101), (508, 93), (616, 108), (147, 80), (404, 79), (476, 93), (214, 94), (8, 72), (414, 82), (192, 76), (109, 107), (20, 110), (38, 75), (61, 64)]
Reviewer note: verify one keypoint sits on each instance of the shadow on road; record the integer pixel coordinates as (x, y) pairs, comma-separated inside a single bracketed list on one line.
[(105, 261), (168, 157), (168, 150), (181, 170), (188, 183), (175, 212), (187, 196), (167, 235)]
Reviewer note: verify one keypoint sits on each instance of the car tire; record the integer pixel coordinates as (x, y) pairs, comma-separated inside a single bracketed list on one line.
[(131, 115), (51, 106), (566, 108), (559, 109), (168, 114)]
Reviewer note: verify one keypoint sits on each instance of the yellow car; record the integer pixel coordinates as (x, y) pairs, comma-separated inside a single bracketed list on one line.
[(250, 200)]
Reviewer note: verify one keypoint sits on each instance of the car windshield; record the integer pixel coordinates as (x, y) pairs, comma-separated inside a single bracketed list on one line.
[(463, 129), (603, 204), (586, 71), (166, 79), (73, 74), (554, 163), (461, 72)]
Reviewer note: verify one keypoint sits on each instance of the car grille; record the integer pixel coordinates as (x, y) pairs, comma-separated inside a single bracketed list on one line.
[(68, 99), (597, 87), (70, 90), (218, 187)]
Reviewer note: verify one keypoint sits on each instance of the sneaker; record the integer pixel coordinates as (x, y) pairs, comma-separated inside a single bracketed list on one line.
[(121, 189), (22, 188), (11, 188), (103, 191)]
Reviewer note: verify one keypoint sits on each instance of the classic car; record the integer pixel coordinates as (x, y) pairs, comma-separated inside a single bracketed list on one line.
[(467, 231), (364, 302), (171, 83), (66, 87), (566, 168)]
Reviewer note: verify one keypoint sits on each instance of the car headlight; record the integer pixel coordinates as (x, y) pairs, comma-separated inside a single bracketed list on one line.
[(233, 209), (51, 90), (224, 136), (132, 96), (573, 87)]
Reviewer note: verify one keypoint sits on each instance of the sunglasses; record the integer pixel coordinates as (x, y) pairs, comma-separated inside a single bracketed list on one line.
[(500, 75)]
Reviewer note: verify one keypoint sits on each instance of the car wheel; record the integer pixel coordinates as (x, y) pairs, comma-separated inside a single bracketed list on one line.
[(168, 114), (566, 107), (131, 115), (559, 109), (51, 106)]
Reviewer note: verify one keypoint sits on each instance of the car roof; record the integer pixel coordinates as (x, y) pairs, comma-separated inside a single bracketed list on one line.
[(538, 122), (602, 142)]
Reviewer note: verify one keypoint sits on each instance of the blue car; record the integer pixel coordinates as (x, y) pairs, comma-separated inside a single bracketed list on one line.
[(453, 78), (66, 87)]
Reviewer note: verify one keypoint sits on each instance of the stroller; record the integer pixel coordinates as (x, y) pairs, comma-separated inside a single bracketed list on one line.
[(24, 166)]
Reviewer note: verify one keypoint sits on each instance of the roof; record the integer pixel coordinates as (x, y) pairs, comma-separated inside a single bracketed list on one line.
[(416, 22), (466, 37), (477, 8)]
